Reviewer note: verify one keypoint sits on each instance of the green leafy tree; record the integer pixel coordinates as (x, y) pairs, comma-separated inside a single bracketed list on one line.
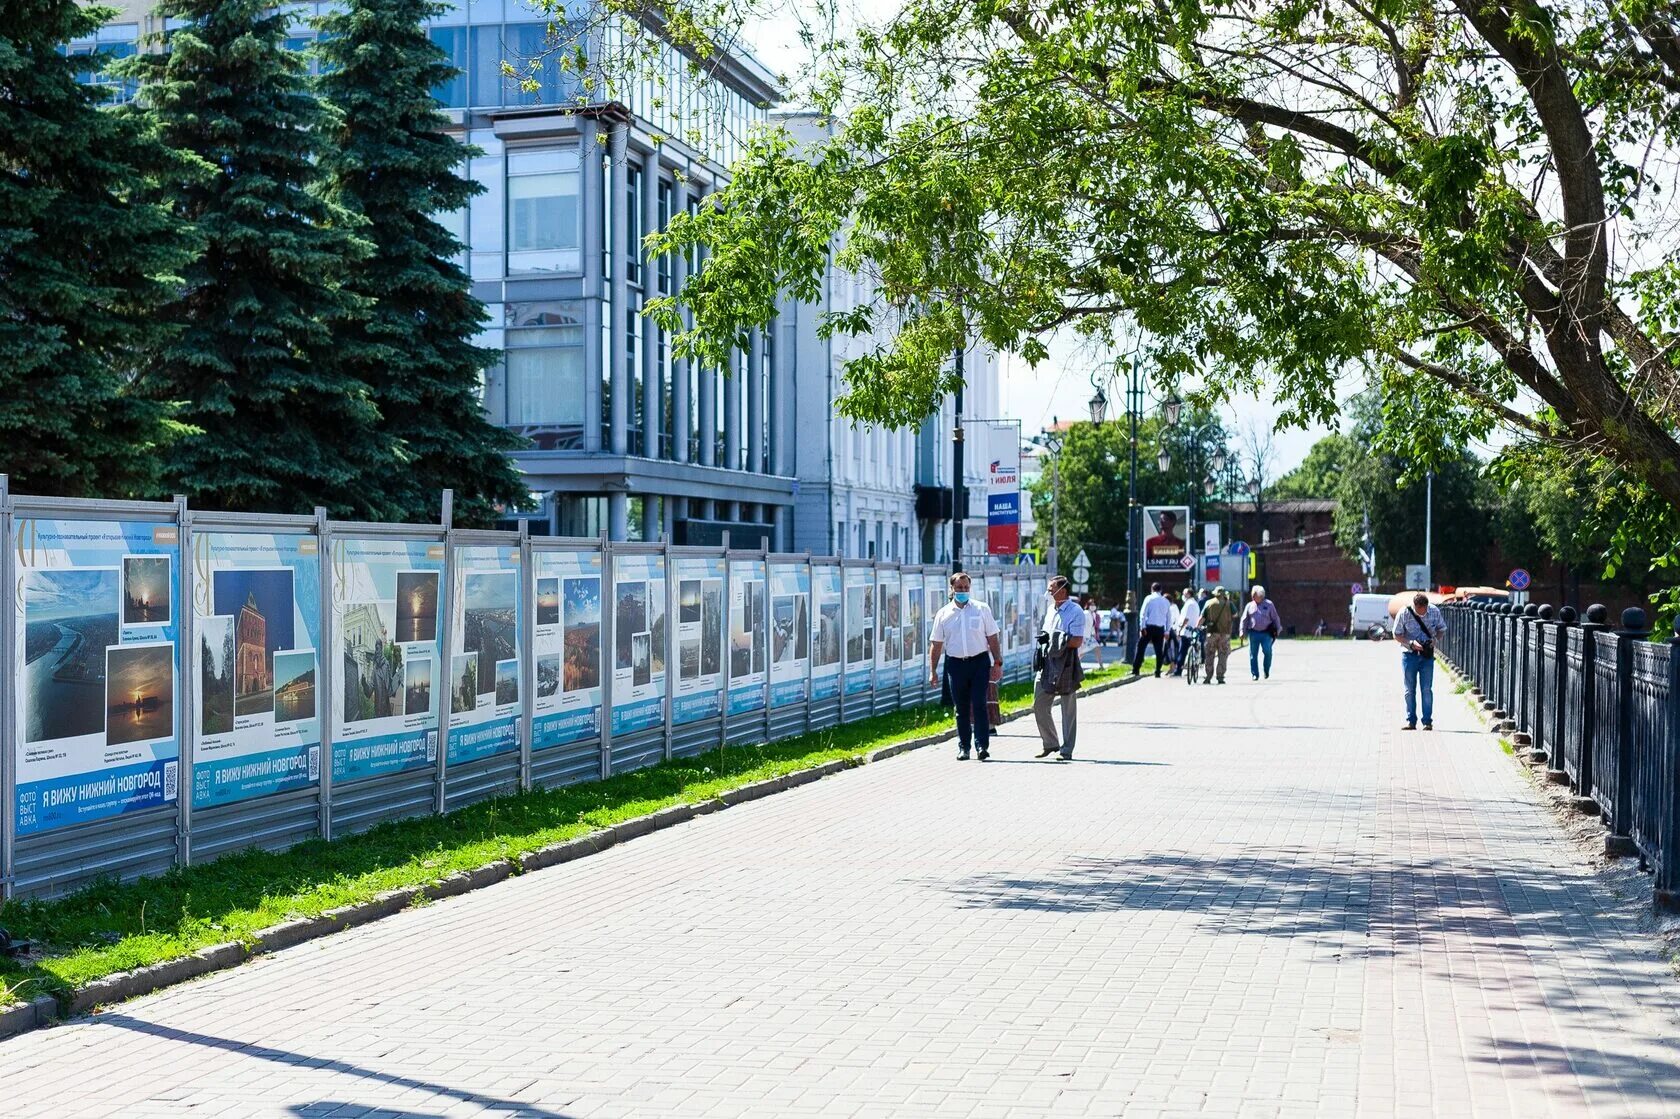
[(1270, 193), (1320, 473), (254, 362), (84, 263), (390, 162)]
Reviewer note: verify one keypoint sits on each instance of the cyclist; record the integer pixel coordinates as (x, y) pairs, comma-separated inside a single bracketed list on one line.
[(1189, 632)]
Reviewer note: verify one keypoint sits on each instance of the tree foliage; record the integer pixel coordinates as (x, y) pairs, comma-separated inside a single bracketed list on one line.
[(409, 337), (84, 262), (254, 361), (1270, 193)]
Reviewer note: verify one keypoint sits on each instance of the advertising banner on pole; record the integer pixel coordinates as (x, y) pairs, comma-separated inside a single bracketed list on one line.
[(790, 632), (638, 620), (860, 628), (485, 630), (95, 664), (1210, 538), (1164, 528), (1002, 455), (749, 647), (912, 634), (257, 637), (567, 643), (825, 632), (699, 690), (889, 614), (387, 649)]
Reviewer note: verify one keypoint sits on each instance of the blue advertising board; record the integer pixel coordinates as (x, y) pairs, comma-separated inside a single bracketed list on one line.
[(790, 633), (484, 672), (97, 662), (256, 600), (749, 647), (566, 615), (639, 642), (826, 617), (700, 649), (860, 629), (387, 652)]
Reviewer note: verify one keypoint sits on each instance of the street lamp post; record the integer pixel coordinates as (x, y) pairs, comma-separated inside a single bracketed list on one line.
[(1051, 441)]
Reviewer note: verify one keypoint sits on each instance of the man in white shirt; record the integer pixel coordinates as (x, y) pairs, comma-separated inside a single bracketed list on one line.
[(966, 634), (1154, 619), (1065, 622), (1189, 623)]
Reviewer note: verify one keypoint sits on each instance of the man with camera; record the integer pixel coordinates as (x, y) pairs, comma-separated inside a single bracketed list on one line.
[(1417, 629)]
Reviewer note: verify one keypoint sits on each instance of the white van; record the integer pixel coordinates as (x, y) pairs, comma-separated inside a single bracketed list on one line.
[(1366, 611)]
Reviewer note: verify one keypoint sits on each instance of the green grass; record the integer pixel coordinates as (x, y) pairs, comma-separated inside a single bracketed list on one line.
[(110, 927)]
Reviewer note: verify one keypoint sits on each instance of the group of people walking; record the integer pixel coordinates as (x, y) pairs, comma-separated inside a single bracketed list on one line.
[(965, 637)]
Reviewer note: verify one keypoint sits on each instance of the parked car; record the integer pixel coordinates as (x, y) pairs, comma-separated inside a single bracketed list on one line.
[(1368, 617)]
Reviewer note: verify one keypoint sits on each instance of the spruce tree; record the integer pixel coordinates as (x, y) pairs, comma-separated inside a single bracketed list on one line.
[(283, 427), (84, 264), (391, 163)]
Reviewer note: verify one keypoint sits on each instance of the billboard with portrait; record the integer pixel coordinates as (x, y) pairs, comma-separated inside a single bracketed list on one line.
[(256, 636), (566, 638), (95, 661), (1166, 531)]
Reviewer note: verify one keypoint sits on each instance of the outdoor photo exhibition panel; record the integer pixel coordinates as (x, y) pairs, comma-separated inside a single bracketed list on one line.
[(486, 635), (859, 636), (387, 653), (566, 636), (1028, 622), (697, 700), (638, 650), (95, 728), (827, 622), (912, 665), (791, 632), (888, 650), (749, 648), (254, 665), (936, 595)]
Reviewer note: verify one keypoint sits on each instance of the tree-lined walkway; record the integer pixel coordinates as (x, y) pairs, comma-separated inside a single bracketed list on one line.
[(1249, 900)]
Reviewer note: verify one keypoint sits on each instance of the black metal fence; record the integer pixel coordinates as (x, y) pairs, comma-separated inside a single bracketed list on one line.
[(1596, 705)]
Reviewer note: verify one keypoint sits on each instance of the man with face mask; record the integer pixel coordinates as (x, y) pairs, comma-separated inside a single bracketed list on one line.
[(966, 631), (1062, 635)]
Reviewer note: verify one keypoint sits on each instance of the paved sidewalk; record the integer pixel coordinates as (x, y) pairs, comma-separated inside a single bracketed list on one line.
[(1256, 900)]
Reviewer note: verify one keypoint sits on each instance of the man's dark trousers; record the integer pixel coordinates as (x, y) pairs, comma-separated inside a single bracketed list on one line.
[(1152, 635), (969, 677)]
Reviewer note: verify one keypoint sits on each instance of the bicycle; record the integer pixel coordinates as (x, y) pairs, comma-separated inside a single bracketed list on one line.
[(1192, 655)]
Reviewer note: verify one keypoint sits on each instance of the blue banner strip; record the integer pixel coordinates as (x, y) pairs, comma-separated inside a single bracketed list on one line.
[(565, 726), (638, 716), (391, 753), (80, 798), (226, 780), (483, 739)]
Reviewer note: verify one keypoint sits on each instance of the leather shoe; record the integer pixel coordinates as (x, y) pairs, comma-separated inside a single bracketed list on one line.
[(1047, 751), (1409, 726), (962, 755), (984, 756)]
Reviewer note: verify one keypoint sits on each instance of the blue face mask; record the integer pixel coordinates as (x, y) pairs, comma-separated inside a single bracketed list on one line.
[(961, 597)]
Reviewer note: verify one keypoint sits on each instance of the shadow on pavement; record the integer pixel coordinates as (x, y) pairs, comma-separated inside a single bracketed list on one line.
[(329, 1064)]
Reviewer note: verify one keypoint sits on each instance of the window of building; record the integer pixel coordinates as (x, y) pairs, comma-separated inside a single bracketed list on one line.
[(581, 514), (453, 41), (633, 224), (542, 209), (543, 358), (633, 373)]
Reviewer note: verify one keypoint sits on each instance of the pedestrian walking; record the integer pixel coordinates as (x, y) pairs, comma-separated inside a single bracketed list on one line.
[(966, 634), (1189, 628), (1059, 676), (1153, 621), (1217, 617), (1416, 630), (1261, 623), (1117, 628), (1093, 626)]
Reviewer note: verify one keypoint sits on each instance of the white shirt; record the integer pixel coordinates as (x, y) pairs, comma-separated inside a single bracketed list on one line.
[(1157, 611), (1094, 621), (1192, 614), (963, 629)]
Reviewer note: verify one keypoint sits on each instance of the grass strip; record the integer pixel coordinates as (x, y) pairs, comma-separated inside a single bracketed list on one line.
[(108, 927)]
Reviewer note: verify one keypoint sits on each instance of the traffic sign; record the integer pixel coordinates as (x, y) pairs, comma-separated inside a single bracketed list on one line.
[(1359, 588), (1082, 560), (1518, 580), (1188, 563), (1237, 548)]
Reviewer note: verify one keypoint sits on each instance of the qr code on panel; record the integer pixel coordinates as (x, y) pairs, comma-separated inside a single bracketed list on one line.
[(314, 763), (431, 745), (171, 780)]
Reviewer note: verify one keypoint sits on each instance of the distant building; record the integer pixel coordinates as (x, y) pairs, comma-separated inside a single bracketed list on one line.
[(251, 671)]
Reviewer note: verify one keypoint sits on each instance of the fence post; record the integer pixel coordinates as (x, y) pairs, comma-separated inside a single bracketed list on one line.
[(8, 708), (1667, 892), (1537, 683), (1620, 840), (609, 650), (1555, 772), (186, 736), (324, 670), (527, 630), (446, 705), (1484, 654), (1586, 777)]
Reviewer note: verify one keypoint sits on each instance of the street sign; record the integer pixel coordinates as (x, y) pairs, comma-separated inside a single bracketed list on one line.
[(1359, 588), (1082, 560), (1417, 577), (1518, 580), (1188, 563), (1236, 548)]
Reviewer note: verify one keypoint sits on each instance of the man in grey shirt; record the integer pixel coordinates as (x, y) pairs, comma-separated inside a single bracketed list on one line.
[(1416, 629)]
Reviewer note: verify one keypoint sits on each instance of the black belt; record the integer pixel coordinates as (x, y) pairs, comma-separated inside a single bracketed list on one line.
[(975, 657)]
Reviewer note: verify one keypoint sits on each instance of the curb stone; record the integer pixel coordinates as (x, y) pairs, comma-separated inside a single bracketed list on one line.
[(46, 1010)]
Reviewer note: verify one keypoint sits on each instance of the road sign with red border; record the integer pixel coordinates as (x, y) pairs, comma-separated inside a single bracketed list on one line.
[(1518, 580)]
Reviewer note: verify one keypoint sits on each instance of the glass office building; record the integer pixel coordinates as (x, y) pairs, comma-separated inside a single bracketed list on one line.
[(624, 439)]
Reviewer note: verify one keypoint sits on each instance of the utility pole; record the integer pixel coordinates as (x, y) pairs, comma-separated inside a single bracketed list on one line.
[(959, 495), (1055, 503)]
